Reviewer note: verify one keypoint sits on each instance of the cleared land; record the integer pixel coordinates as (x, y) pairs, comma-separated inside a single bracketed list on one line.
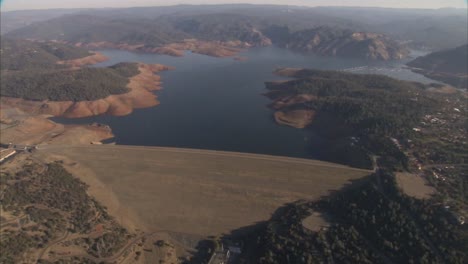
[(315, 222), (196, 191), (20, 127), (414, 185)]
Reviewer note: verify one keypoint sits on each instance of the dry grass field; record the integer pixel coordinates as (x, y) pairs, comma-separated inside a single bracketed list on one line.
[(414, 185), (196, 192)]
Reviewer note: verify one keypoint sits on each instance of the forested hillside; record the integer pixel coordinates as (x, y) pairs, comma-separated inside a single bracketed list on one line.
[(358, 114), (20, 55), (371, 223), (30, 70), (397, 126), (449, 66), (50, 204)]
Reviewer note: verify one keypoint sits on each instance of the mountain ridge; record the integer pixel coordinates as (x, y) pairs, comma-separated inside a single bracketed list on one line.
[(233, 30)]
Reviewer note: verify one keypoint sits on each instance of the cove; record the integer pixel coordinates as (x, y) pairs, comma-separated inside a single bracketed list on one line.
[(217, 103)]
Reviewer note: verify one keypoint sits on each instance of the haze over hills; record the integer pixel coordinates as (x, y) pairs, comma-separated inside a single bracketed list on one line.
[(229, 29), (285, 135), (434, 29), (449, 66)]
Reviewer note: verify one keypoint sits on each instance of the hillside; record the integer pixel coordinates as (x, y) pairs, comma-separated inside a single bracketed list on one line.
[(420, 28), (338, 42), (35, 71), (17, 19), (372, 223), (356, 115), (402, 126), (43, 205), (18, 55), (226, 29), (449, 66), (222, 27)]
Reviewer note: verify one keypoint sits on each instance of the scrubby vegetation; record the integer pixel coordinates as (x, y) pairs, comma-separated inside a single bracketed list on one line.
[(50, 203), (373, 223), (13, 245), (68, 195), (401, 125), (373, 220), (30, 71), (358, 114), (78, 85), (18, 55)]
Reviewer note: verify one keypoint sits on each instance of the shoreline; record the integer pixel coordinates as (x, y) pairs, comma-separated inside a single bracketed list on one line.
[(95, 58), (140, 95), (218, 49)]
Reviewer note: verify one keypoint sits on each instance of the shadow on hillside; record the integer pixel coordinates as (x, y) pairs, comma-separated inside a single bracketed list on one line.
[(249, 236)]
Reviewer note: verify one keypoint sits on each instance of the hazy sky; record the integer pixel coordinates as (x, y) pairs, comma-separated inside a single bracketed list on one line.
[(45, 4)]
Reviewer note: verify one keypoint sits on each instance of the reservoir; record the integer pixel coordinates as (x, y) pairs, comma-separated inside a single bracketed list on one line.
[(217, 103)]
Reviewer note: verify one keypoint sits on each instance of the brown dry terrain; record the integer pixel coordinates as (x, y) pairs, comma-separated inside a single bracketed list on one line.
[(288, 72), (196, 191), (139, 96), (295, 118), (210, 48), (90, 60), (289, 100), (414, 185), (20, 127), (315, 222)]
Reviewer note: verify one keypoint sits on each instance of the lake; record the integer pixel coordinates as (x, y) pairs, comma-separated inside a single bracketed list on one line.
[(217, 103)]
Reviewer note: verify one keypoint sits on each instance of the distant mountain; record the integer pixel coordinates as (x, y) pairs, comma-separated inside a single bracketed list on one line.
[(338, 42), (429, 32), (17, 19), (449, 66), (222, 27), (420, 28), (433, 29), (90, 28), (239, 30)]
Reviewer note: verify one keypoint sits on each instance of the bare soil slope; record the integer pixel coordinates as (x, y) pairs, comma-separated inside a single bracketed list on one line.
[(414, 185), (201, 192)]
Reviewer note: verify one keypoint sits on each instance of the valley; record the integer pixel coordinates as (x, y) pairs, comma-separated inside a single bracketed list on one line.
[(233, 134)]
